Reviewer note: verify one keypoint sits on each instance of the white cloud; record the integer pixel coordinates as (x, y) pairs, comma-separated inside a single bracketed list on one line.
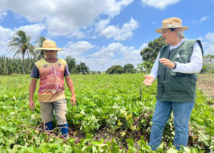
[(89, 31), (4, 51), (204, 18), (113, 54), (113, 47), (200, 38), (102, 24), (159, 4), (210, 46), (208, 43), (33, 30), (194, 21), (132, 55), (210, 50), (102, 55), (154, 23), (3, 14), (115, 6), (210, 37), (205, 45), (143, 46), (57, 27), (107, 52), (75, 49), (64, 17), (6, 33), (119, 33), (107, 56), (78, 34)]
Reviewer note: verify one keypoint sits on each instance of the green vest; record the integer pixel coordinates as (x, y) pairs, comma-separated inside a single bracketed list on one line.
[(175, 86)]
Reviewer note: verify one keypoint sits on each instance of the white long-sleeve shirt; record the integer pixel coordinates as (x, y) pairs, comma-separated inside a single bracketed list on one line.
[(194, 66)]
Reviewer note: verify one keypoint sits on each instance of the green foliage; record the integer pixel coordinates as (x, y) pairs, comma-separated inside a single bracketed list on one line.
[(71, 64), (147, 66), (129, 68), (14, 65), (10, 65), (140, 67), (208, 65), (20, 43), (150, 53), (116, 69), (39, 43), (82, 68), (109, 102)]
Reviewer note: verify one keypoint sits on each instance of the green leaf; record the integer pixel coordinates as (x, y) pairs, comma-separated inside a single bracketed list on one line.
[(89, 136)]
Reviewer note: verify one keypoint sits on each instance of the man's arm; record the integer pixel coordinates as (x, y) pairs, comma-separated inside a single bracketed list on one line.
[(71, 88), (32, 89)]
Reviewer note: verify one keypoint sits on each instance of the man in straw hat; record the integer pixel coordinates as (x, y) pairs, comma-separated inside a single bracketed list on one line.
[(175, 69), (51, 72)]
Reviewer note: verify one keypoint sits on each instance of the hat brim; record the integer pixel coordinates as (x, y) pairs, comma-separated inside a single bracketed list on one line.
[(160, 30), (59, 49)]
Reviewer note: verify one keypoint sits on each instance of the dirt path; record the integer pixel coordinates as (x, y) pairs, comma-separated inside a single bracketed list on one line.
[(206, 84)]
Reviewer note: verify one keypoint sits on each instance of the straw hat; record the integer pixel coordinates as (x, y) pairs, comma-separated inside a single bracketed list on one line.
[(171, 23), (49, 45)]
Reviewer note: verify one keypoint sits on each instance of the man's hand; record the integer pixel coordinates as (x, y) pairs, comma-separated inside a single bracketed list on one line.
[(73, 100), (149, 80), (31, 105), (167, 62)]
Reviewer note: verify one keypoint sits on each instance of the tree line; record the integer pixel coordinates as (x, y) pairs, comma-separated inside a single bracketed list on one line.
[(149, 55), (118, 69), (20, 44)]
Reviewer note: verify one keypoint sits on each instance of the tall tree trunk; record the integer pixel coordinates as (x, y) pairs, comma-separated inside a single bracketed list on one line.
[(23, 64)]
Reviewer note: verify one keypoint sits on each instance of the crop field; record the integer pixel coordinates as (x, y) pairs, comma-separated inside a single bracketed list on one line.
[(113, 114), (206, 84)]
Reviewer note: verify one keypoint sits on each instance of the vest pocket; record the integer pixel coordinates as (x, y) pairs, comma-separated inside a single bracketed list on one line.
[(179, 82)]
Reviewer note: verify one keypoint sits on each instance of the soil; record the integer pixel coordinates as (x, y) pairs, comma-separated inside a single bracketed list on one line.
[(206, 84)]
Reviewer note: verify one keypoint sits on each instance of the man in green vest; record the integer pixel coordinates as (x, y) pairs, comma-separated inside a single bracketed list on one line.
[(175, 69)]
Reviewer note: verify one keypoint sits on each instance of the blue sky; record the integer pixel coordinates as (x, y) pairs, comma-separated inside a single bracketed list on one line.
[(112, 32)]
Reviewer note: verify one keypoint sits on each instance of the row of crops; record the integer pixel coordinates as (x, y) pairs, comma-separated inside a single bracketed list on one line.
[(113, 113)]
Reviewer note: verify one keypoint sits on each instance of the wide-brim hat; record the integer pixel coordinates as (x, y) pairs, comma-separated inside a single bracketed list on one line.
[(171, 23), (49, 45)]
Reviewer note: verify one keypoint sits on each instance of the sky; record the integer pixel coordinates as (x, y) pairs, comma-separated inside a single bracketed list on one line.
[(102, 33)]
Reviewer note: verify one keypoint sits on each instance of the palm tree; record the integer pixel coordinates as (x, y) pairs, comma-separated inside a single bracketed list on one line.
[(20, 43), (39, 43)]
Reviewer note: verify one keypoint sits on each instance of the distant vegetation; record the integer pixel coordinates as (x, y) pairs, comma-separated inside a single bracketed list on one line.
[(118, 69), (20, 44)]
